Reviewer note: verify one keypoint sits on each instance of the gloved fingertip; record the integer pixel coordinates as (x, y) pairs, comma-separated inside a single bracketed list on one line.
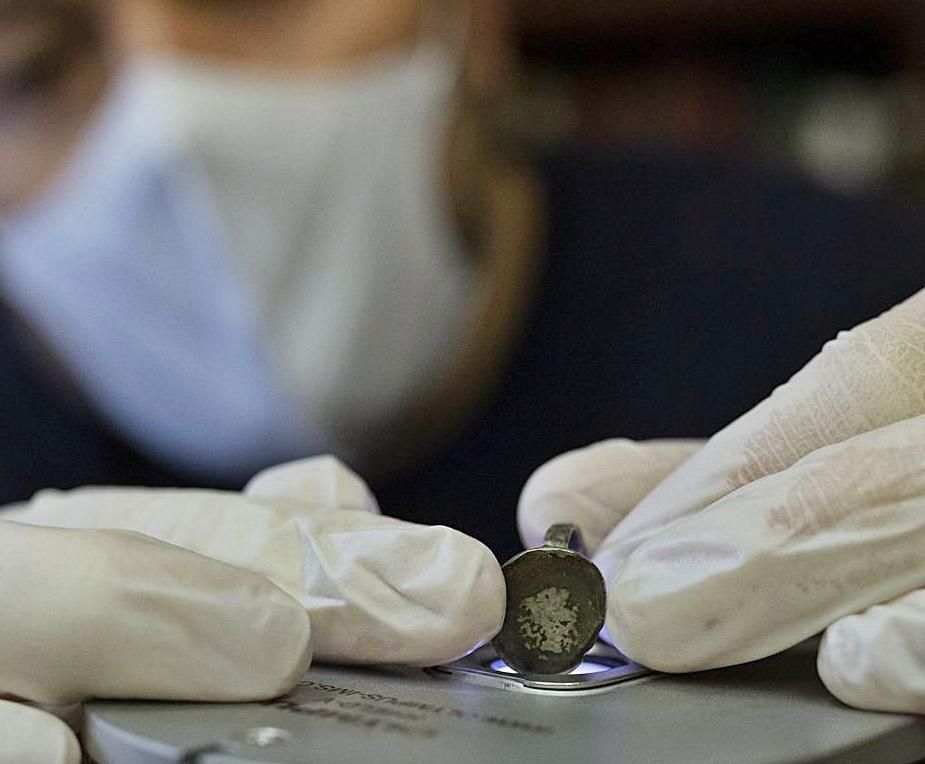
[(400, 593), (484, 608), (597, 486), (660, 630), (558, 492), (321, 482), (839, 662), (635, 639), (31, 736), (875, 660), (286, 647), (473, 601)]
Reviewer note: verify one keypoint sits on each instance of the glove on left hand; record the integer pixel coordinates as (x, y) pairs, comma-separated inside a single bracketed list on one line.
[(214, 600)]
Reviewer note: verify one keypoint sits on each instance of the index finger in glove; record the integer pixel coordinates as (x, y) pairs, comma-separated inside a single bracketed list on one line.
[(118, 615), (377, 590), (867, 378), (780, 559), (381, 590), (596, 487)]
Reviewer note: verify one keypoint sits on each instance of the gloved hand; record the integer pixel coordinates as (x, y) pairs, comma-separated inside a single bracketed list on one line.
[(806, 514), (225, 596)]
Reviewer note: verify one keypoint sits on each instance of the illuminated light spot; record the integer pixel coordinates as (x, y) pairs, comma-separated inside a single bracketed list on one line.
[(586, 667)]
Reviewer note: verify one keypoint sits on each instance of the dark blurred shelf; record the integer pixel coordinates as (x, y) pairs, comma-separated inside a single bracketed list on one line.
[(595, 18), (859, 36), (740, 76)]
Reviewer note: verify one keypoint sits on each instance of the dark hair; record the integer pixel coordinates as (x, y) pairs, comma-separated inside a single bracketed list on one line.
[(73, 30)]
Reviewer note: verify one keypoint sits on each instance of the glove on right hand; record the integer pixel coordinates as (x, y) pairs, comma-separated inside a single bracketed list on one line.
[(807, 509)]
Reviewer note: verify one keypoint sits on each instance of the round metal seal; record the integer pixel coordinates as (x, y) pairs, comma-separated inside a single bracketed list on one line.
[(556, 604)]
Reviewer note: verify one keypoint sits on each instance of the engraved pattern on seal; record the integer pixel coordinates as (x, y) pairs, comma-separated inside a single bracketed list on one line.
[(547, 622)]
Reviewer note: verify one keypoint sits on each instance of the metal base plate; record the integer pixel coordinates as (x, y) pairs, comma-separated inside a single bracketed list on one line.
[(771, 711)]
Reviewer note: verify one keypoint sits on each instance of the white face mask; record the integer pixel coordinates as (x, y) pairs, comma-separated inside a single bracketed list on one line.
[(240, 269)]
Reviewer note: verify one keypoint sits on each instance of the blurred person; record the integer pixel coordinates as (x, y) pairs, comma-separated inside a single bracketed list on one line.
[(237, 233), (160, 241), (239, 228)]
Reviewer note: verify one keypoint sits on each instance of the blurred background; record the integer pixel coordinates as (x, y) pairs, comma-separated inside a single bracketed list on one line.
[(720, 187), (832, 88)]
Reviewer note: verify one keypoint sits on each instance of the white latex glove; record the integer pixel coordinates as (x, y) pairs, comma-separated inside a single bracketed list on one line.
[(808, 509), (111, 614), (215, 600), (579, 487), (30, 736)]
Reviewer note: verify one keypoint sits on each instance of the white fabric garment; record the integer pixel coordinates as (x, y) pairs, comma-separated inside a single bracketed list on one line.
[(215, 596), (805, 515), (241, 269)]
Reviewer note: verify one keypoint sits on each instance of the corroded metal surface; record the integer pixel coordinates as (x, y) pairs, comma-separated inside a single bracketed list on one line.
[(556, 602)]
